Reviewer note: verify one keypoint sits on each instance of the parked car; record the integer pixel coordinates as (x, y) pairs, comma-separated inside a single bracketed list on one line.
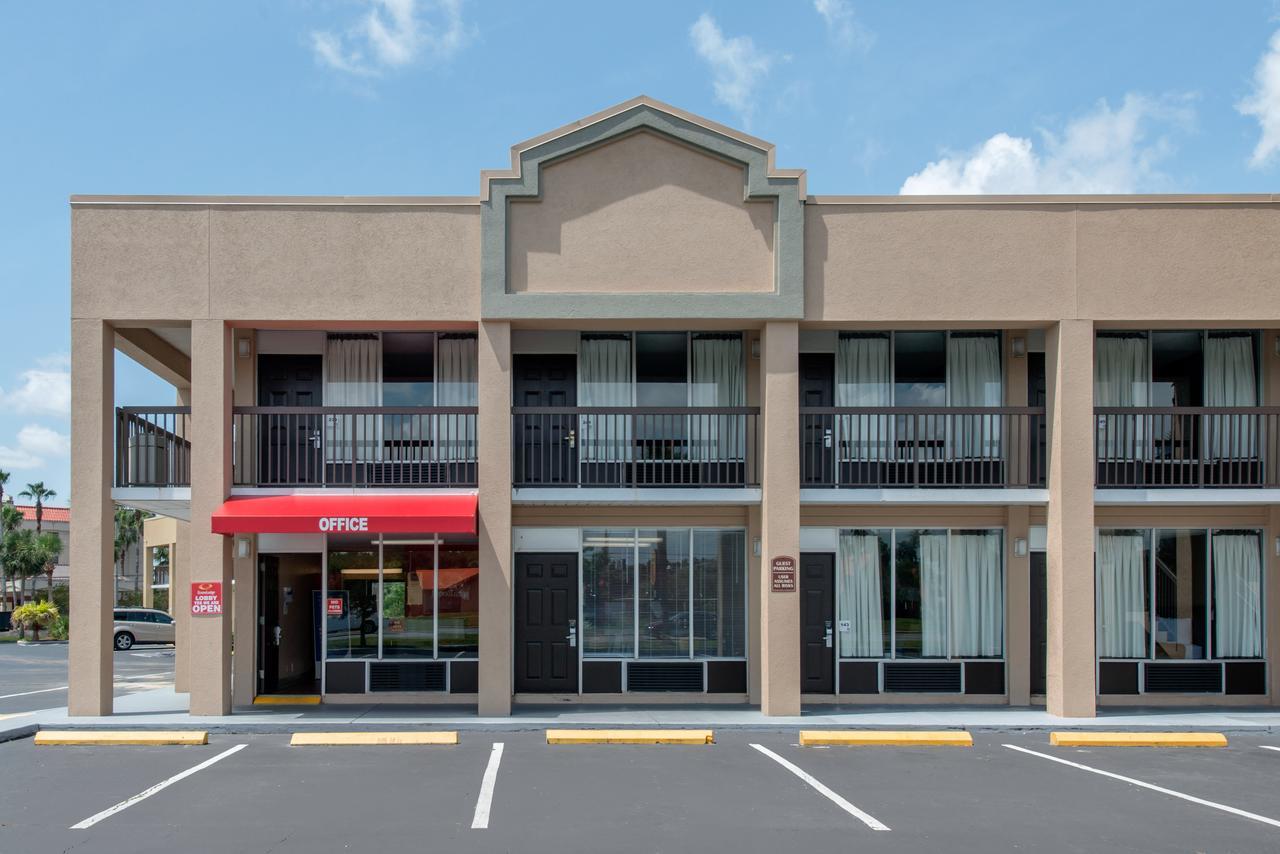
[(141, 625)]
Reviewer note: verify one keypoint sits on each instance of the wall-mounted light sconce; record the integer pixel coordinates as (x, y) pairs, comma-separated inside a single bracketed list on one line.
[(242, 547), (1019, 347), (1020, 547), (242, 348), (1277, 546), (755, 546), (755, 348), (1276, 341)]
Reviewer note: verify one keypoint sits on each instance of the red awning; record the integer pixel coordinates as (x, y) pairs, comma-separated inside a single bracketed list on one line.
[(451, 513)]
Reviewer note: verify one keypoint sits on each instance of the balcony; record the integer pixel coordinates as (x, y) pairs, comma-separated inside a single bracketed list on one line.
[(617, 447), (906, 446), (152, 449), (1182, 447), (354, 446)]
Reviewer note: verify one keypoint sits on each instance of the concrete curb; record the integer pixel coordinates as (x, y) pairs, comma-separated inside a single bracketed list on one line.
[(885, 738), (630, 736), (347, 739), (1138, 739)]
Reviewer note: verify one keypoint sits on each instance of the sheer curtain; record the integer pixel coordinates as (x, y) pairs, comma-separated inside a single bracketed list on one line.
[(1121, 373), (1230, 380), (974, 379), (456, 386), (864, 378), (933, 595), (604, 368), (1121, 595), (352, 377), (977, 594), (717, 379), (1237, 595), (860, 595)]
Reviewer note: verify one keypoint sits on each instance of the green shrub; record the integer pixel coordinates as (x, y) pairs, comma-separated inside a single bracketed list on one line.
[(160, 599), (35, 616), (129, 599), (59, 629)]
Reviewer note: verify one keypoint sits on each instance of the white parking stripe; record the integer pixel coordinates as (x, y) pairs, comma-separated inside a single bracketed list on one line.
[(869, 820), (143, 795), (1268, 747), (29, 693), (1161, 789), (485, 800)]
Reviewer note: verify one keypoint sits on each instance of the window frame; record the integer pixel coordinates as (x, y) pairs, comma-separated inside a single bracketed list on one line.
[(1204, 333)]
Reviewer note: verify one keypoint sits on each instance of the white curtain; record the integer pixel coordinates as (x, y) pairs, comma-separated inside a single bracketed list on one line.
[(974, 379), (1230, 380), (717, 379), (864, 378), (456, 386), (604, 368), (1121, 597), (353, 377), (860, 595), (933, 595), (1237, 596), (1121, 374), (977, 594)]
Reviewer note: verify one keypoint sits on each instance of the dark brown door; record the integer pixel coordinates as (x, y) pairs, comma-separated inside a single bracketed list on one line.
[(290, 445), (1039, 622), (817, 388), (546, 444), (268, 619), (546, 623), (817, 623)]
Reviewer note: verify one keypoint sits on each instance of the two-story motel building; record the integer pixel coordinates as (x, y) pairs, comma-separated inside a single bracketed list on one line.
[(559, 441)]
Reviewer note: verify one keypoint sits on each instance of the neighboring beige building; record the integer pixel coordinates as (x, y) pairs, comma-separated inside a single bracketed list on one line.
[(646, 422)]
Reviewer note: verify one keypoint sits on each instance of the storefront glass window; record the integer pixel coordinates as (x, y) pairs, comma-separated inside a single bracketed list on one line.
[(459, 581), (608, 593), (408, 611), (1182, 594), (664, 593), (353, 579), (719, 594)]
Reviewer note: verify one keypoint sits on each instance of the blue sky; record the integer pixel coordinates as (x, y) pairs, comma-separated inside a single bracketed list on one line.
[(416, 97)]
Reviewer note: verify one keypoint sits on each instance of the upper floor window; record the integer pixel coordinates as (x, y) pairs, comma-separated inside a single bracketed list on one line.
[(930, 369), (1163, 368)]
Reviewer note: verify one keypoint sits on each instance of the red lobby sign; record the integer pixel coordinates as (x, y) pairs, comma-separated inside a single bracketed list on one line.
[(206, 598)]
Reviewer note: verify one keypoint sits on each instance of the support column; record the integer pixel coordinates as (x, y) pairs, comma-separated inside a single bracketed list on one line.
[(780, 517), (180, 605), (1271, 606), (89, 668), (210, 554), (1070, 684), (244, 614), (1017, 635), (148, 561), (493, 434)]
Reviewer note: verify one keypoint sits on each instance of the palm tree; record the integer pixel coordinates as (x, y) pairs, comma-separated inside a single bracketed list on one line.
[(128, 531), (37, 494), (10, 521), (26, 553), (4, 478)]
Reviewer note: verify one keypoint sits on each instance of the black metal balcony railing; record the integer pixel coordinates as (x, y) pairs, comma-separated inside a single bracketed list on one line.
[(905, 446), (1187, 447), (410, 446), (573, 446), (152, 448)]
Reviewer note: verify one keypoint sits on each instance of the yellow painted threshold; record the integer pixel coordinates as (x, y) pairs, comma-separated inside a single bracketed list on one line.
[(630, 736), (885, 738), (1138, 739), (287, 700), (114, 737), (344, 739)]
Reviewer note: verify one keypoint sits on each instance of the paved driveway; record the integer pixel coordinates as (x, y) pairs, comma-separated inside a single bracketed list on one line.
[(35, 677)]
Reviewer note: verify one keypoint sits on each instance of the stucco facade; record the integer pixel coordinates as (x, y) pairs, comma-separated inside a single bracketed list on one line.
[(645, 219)]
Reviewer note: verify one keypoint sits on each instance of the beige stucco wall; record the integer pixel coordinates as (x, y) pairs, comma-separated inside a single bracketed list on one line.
[(276, 263), (641, 214)]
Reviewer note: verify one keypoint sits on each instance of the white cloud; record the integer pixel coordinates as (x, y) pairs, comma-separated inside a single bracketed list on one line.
[(43, 390), (1263, 103), (737, 66), (842, 27), (1104, 151), (395, 34), (35, 445)]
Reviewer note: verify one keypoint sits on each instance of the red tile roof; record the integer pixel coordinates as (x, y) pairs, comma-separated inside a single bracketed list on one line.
[(51, 514)]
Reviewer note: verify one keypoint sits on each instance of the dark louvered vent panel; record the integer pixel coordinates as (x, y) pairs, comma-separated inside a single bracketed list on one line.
[(1183, 678), (933, 678), (664, 676), (406, 676)]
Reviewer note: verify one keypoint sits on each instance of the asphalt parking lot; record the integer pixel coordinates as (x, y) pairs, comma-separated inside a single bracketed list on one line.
[(35, 677), (729, 796)]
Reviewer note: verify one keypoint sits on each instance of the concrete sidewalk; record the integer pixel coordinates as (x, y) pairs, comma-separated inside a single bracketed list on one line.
[(162, 708)]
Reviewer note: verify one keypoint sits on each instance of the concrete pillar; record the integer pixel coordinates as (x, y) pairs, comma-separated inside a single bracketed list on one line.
[(210, 554), (754, 582), (244, 615), (780, 517), (1271, 606), (180, 605), (1070, 683), (1017, 634), (89, 667), (148, 561), (493, 433)]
